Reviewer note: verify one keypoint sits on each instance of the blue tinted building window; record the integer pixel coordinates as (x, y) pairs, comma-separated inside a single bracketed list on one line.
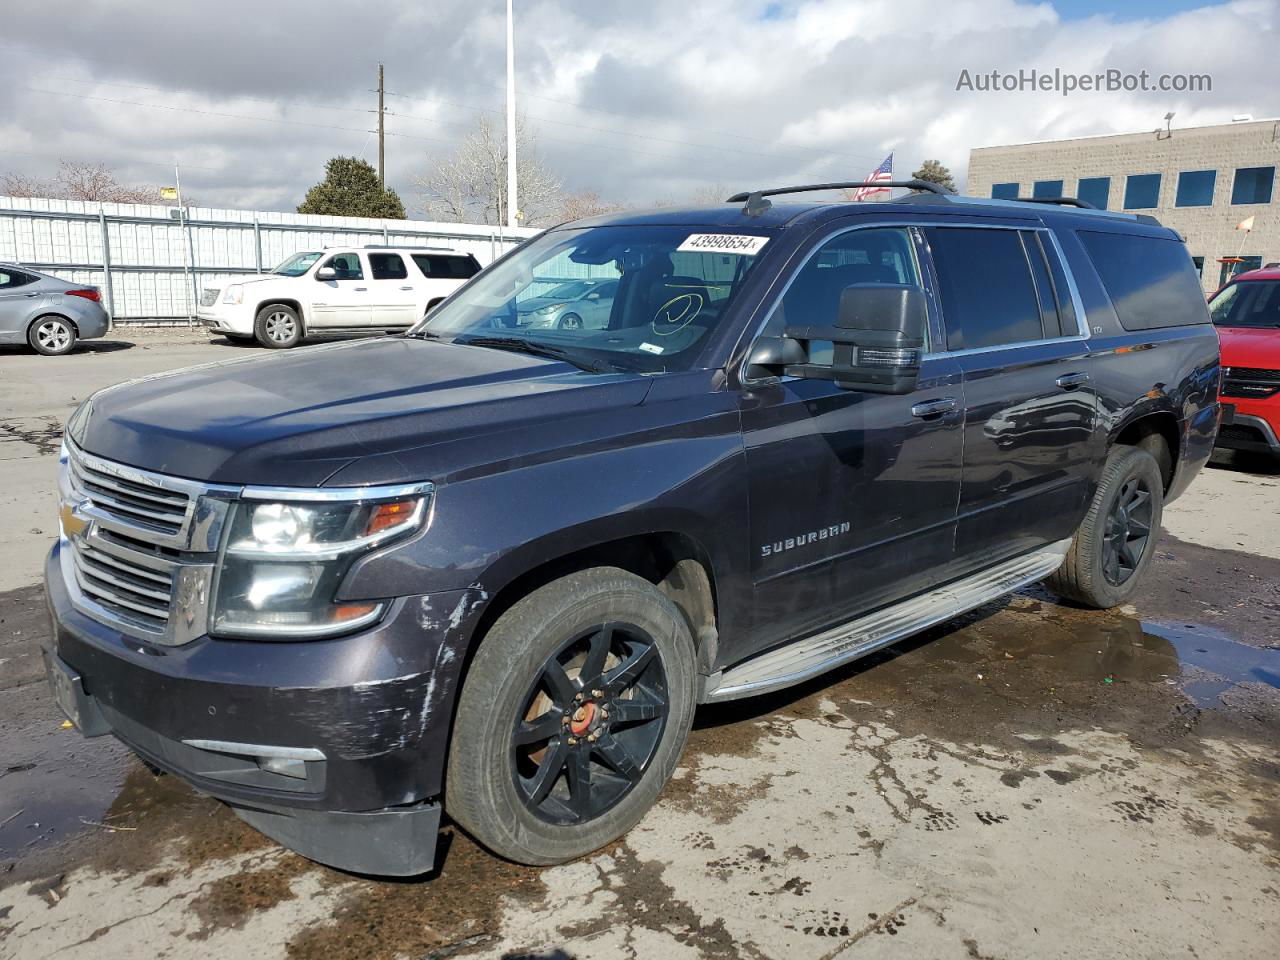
[(1004, 191), (1095, 190), (1195, 188), (1142, 191), (1253, 185), (1047, 188)]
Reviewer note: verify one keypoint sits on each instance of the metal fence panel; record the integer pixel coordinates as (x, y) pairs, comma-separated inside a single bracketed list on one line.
[(149, 263)]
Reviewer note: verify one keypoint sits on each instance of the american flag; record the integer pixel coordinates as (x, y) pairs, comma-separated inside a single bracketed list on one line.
[(878, 175)]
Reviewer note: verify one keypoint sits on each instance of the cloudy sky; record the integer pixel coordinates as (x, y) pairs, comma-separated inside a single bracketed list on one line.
[(642, 102)]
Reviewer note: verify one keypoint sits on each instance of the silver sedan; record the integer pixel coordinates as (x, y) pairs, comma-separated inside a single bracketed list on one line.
[(48, 314)]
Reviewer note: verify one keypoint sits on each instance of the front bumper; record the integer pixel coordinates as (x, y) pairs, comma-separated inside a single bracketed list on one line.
[(370, 711), (1255, 425), (228, 319)]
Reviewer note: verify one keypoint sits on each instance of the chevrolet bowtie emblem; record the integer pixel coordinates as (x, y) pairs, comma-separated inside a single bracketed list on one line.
[(72, 523)]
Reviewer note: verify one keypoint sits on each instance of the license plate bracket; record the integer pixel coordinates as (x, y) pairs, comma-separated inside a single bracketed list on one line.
[(69, 694)]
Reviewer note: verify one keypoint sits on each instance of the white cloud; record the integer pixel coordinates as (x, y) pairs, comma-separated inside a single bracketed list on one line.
[(640, 102)]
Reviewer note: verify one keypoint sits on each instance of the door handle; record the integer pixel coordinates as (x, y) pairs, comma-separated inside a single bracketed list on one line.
[(406, 288), (933, 408), (1069, 381), (359, 289), (31, 296)]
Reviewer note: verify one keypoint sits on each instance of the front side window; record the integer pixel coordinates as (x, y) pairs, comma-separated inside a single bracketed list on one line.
[(1004, 191), (1047, 189), (1250, 303), (985, 282), (1094, 190), (387, 266), (1195, 188), (1142, 191), (812, 298), (675, 285), (1253, 185), (298, 264), (346, 266), (1151, 281)]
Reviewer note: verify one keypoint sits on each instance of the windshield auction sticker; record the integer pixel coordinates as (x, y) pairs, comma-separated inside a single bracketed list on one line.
[(739, 243)]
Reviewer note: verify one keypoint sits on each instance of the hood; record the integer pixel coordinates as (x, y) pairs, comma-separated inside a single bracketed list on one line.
[(295, 418), (1257, 347)]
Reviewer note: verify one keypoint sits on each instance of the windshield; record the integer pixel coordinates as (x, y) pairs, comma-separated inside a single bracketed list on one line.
[(297, 265), (673, 286), (1247, 303)]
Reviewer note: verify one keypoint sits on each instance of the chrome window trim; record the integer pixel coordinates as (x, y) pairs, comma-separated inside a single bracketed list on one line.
[(927, 283)]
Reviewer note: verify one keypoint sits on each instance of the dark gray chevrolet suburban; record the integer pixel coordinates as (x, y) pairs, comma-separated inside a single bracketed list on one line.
[(489, 568)]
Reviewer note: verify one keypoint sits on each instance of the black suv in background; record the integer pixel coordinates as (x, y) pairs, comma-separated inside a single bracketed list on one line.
[(489, 568)]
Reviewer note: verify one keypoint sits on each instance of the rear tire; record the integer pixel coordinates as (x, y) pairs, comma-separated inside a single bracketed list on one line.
[(278, 326), (572, 717), (52, 336), (1113, 546)]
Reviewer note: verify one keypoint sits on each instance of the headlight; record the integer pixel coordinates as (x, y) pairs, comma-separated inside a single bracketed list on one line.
[(234, 294), (285, 559), (551, 309)]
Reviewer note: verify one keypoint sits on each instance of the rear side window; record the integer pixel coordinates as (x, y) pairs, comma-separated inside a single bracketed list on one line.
[(1151, 281), (442, 267), (12, 278), (988, 296), (387, 266)]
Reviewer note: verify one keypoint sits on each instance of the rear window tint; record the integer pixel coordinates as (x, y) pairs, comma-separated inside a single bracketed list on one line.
[(1151, 281), (444, 267)]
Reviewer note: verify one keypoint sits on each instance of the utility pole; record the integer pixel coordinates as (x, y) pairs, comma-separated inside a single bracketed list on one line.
[(513, 203), (382, 112)]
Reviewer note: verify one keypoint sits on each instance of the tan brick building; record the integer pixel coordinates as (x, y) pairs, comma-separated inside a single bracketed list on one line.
[(1202, 181)]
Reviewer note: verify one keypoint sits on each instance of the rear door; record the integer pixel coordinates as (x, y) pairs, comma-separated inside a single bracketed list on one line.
[(344, 300), (18, 292), (1031, 421), (393, 294), (852, 495)]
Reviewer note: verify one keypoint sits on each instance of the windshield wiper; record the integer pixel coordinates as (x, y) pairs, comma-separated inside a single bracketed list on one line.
[(520, 345)]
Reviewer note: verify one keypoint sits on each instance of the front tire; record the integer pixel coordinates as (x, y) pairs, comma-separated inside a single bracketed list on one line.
[(52, 336), (1113, 546), (278, 326), (572, 717)]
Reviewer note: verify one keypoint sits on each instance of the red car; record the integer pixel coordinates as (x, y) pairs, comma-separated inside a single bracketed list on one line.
[(1247, 314)]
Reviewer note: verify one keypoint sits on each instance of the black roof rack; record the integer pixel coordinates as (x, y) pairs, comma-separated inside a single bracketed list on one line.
[(1060, 201), (756, 203)]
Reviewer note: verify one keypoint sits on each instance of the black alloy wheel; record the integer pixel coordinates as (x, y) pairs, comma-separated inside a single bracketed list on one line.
[(1127, 532), (590, 724)]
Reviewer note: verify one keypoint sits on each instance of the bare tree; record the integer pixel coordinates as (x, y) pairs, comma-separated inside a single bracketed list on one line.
[(585, 203), (471, 185), (710, 195), (80, 180)]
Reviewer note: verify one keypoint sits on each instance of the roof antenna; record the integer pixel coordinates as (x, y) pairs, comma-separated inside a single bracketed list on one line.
[(756, 204)]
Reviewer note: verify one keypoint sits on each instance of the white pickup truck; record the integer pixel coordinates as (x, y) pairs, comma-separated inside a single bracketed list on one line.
[(337, 289)]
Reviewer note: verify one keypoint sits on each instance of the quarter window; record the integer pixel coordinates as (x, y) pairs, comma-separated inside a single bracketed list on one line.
[(1253, 185), (444, 267), (1195, 188), (12, 278), (387, 266), (1047, 189), (1150, 280), (346, 266), (1094, 190), (1142, 191), (1004, 191), (984, 280)]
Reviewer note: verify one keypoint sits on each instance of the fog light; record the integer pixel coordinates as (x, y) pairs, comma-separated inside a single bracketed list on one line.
[(285, 766)]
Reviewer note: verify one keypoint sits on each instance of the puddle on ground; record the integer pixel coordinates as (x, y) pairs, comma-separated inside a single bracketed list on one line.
[(1202, 660)]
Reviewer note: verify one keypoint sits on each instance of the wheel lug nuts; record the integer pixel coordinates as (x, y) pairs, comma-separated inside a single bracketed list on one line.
[(597, 693), (573, 741)]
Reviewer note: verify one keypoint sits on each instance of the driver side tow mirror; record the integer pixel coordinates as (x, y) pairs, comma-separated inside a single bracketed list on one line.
[(326, 273), (877, 342)]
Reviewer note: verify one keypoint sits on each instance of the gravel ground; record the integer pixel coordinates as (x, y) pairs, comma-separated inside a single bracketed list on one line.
[(1030, 780)]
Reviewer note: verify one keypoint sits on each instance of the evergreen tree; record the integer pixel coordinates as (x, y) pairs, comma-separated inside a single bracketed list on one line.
[(350, 189), (934, 172)]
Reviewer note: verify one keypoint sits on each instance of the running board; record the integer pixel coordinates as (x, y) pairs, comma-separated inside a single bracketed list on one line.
[(800, 660)]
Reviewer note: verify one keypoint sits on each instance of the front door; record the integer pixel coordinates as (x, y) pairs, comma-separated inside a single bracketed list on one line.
[(394, 296), (344, 300), (1031, 423), (852, 495)]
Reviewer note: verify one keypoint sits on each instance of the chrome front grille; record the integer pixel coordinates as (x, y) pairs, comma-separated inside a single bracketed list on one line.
[(135, 584), (138, 547), (131, 500)]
